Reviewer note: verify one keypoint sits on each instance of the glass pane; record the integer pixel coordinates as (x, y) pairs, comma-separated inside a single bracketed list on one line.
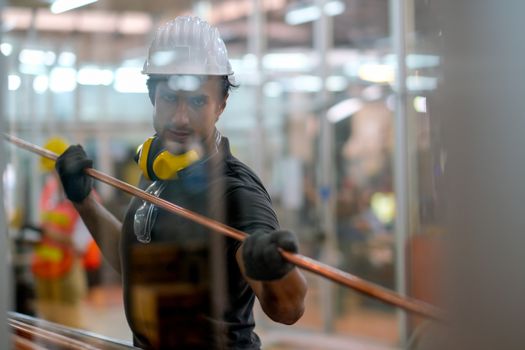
[(303, 98)]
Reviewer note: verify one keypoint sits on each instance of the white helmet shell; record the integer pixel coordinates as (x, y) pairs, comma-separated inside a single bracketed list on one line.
[(187, 45)]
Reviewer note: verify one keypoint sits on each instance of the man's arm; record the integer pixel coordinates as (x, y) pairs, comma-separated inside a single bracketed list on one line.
[(278, 284), (102, 225), (104, 228), (282, 299)]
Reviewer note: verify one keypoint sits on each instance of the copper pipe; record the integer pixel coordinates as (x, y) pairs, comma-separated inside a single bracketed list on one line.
[(336, 275), (21, 343), (30, 331)]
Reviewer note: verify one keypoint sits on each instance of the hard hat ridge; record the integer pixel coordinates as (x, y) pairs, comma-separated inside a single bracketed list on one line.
[(187, 45)]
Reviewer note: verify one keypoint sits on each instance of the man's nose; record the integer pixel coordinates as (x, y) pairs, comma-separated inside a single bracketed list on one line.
[(180, 114)]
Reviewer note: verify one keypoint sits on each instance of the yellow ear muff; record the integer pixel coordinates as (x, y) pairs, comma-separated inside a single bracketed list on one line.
[(166, 165), (159, 164), (143, 153)]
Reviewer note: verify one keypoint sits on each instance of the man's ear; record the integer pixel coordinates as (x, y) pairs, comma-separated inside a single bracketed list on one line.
[(222, 106)]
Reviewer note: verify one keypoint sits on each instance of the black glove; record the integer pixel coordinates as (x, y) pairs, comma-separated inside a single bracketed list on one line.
[(70, 167), (262, 260)]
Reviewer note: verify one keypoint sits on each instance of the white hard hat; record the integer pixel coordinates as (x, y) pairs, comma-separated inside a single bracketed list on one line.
[(187, 45)]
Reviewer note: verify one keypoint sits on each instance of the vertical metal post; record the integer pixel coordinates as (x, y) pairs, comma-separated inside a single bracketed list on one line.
[(5, 277), (329, 254), (104, 162), (257, 46), (35, 132), (401, 154)]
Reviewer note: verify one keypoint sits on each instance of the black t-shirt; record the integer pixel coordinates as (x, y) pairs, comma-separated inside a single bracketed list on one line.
[(184, 289)]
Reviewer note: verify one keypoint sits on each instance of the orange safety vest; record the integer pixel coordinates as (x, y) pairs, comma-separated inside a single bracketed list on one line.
[(52, 258), (92, 257)]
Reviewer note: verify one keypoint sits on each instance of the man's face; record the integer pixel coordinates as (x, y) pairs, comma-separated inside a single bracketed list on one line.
[(186, 110)]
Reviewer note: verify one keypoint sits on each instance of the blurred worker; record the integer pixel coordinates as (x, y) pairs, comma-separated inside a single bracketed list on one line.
[(188, 162), (60, 259)]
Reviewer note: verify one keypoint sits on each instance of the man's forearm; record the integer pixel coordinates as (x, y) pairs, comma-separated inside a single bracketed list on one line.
[(104, 228), (282, 300)]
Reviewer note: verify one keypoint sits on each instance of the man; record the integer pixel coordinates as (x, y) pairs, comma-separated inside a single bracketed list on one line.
[(199, 287)]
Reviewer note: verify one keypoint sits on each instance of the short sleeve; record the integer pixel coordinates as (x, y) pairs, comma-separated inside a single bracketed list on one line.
[(250, 209)]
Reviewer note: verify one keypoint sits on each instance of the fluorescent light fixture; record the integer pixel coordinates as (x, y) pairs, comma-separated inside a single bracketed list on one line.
[(63, 79), (41, 84), (290, 62), (13, 82), (306, 83), (416, 61), (312, 12), (91, 75), (343, 109), (37, 57), (67, 59), (302, 15), (377, 73), (130, 80), (334, 8), (133, 63), (32, 69), (420, 104), (6, 49), (92, 21), (421, 83), (60, 6)]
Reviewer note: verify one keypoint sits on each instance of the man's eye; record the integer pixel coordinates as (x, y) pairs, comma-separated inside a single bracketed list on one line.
[(169, 98), (198, 101)]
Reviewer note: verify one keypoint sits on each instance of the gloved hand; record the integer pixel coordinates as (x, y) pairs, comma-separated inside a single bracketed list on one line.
[(262, 260), (70, 165)]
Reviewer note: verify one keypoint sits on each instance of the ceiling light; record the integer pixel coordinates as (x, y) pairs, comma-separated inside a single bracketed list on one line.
[(305, 83), (6, 49), (421, 83), (60, 6), (67, 59), (37, 57), (377, 73), (334, 8), (13, 82), (40, 84), (302, 15), (420, 104), (130, 80), (311, 13), (92, 75), (290, 62)]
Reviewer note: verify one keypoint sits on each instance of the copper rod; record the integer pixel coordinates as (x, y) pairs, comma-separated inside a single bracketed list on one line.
[(57, 339), (329, 272), (21, 343)]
